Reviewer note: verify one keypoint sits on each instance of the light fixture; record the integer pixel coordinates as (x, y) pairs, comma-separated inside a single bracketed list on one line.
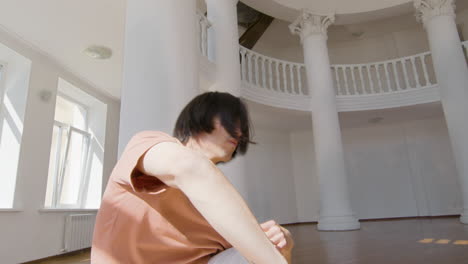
[(355, 30), (375, 120), (357, 34), (98, 52)]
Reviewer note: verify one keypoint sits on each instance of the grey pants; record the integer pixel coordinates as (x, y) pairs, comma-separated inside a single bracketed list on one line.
[(228, 256)]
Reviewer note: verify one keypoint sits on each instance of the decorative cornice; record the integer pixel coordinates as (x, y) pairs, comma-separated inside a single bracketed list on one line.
[(427, 9), (309, 23)]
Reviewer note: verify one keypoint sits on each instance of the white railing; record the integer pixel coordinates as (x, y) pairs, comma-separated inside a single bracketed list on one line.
[(273, 74), (384, 77), (351, 79), (287, 78)]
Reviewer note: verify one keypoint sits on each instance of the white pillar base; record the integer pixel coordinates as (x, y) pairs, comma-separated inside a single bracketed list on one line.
[(338, 223), (464, 216)]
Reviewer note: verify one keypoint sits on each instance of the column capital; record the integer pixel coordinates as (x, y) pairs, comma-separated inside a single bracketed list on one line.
[(203, 19), (310, 23), (427, 9), (221, 1)]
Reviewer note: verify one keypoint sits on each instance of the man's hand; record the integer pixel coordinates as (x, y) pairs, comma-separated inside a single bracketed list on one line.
[(278, 235)]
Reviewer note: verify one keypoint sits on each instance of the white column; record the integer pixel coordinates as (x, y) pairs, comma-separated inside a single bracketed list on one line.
[(335, 208), (451, 70), (224, 38), (160, 72)]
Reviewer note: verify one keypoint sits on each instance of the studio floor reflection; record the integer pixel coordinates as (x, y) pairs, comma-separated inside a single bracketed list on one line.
[(408, 241)]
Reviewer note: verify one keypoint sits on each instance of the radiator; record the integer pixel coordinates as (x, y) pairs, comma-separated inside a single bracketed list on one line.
[(78, 231)]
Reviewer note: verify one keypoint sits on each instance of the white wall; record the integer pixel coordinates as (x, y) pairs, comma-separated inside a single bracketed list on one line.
[(380, 40), (433, 167), (29, 234), (305, 177), (379, 172), (394, 169), (271, 190)]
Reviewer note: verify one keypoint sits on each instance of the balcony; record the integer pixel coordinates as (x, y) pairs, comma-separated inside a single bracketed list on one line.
[(384, 84)]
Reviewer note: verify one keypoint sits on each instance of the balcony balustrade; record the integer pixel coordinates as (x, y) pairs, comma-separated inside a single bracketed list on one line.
[(384, 84)]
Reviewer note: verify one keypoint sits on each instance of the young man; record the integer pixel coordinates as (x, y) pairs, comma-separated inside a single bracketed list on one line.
[(167, 202)]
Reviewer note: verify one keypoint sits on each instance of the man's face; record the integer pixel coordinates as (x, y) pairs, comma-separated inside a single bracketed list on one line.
[(219, 143)]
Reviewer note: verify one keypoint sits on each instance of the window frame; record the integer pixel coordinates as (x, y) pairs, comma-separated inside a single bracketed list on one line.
[(89, 114), (77, 102), (61, 164), (2, 95)]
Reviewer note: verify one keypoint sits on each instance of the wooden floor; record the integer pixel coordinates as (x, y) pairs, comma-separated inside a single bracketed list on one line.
[(409, 241), (82, 257)]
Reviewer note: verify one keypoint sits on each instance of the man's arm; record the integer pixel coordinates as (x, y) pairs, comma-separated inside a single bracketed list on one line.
[(213, 196)]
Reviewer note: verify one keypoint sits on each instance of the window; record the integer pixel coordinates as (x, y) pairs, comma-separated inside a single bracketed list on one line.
[(69, 155), (2, 106), (14, 85), (2, 92), (75, 166)]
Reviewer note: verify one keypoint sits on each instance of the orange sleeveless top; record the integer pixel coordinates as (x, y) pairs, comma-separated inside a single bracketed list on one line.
[(142, 220)]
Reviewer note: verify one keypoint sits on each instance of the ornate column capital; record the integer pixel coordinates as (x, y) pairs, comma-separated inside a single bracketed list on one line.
[(427, 9), (309, 23), (203, 19), (234, 2)]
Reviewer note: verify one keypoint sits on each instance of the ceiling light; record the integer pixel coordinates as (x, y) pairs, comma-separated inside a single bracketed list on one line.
[(375, 120), (98, 52), (357, 34)]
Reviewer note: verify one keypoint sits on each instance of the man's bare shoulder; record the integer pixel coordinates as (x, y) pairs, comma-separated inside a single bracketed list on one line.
[(168, 161)]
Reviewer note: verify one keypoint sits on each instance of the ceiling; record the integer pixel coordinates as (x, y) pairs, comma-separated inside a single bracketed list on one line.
[(347, 12), (63, 29), (341, 7)]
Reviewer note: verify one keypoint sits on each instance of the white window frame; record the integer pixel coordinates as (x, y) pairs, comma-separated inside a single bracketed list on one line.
[(72, 100), (87, 131), (2, 95), (61, 164)]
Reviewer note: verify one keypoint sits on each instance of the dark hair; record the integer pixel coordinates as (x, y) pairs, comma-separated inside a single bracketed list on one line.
[(198, 117)]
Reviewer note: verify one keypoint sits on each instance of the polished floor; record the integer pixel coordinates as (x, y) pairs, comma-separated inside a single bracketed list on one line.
[(409, 241), (412, 241)]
